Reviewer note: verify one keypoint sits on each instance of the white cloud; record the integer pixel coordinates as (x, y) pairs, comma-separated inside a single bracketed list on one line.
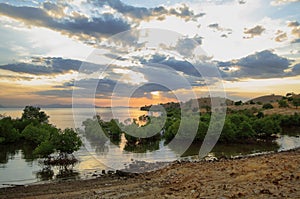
[(281, 2), (19, 42)]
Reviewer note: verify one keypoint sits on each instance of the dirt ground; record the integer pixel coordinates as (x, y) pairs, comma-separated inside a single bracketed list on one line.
[(267, 176)]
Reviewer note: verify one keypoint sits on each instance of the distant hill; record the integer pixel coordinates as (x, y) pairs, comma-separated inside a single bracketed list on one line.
[(206, 101), (67, 106), (267, 99), (1, 106), (202, 103)]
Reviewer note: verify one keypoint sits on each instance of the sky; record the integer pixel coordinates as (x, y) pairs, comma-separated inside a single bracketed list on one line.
[(132, 52)]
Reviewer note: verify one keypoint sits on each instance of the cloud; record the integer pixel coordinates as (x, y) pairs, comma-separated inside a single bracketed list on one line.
[(95, 21), (295, 25), (281, 2), (186, 46), (280, 36), (105, 89), (216, 26), (256, 31), (296, 41), (56, 10), (15, 77), (141, 13), (242, 2), (55, 93), (82, 27), (178, 65), (44, 66), (264, 64), (296, 69)]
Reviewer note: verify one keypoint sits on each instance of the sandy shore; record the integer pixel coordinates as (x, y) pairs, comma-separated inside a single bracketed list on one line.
[(267, 176)]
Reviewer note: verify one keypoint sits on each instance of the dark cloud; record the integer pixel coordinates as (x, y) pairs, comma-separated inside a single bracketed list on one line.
[(47, 66), (186, 46), (141, 13), (255, 31), (264, 64), (28, 68), (105, 88), (54, 9), (293, 24), (242, 2), (296, 41), (296, 69), (216, 26), (15, 78), (96, 27), (56, 93), (178, 65)]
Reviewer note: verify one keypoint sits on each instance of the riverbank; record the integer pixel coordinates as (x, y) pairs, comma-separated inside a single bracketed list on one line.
[(274, 175)]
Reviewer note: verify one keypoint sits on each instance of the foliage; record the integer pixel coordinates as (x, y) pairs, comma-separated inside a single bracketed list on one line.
[(265, 127), (63, 142), (93, 130), (34, 113), (296, 102), (267, 106), (150, 132), (238, 103), (36, 134), (8, 132), (283, 104), (66, 141), (33, 128)]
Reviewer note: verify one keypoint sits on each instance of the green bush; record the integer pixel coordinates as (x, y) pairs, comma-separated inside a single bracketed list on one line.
[(267, 106), (8, 132)]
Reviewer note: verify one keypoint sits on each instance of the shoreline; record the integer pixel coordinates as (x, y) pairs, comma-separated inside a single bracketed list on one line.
[(275, 174)]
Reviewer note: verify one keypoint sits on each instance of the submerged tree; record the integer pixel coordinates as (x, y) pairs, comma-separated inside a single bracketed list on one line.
[(63, 142)]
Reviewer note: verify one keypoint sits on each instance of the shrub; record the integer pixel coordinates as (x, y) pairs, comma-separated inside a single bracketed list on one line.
[(267, 106)]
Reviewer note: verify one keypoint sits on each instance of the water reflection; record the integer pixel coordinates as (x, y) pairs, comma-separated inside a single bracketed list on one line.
[(142, 147), (287, 142), (18, 166), (45, 174), (8, 152)]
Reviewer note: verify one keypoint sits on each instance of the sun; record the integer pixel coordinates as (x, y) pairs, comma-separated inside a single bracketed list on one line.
[(155, 94)]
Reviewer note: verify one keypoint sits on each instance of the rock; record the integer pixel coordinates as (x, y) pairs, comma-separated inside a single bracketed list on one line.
[(173, 189), (122, 173), (110, 172), (103, 171), (265, 191), (210, 158), (97, 192)]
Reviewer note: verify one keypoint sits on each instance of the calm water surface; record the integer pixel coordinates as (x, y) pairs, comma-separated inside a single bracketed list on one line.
[(17, 165)]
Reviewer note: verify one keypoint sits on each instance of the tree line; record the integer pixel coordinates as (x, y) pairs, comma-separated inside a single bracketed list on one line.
[(33, 128), (240, 126)]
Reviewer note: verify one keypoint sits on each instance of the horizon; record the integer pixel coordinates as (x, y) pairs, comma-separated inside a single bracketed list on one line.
[(101, 52), (96, 106)]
